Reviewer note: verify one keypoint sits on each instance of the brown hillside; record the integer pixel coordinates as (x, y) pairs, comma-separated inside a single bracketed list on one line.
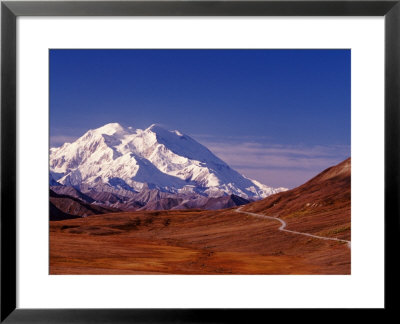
[(215, 242), (321, 206)]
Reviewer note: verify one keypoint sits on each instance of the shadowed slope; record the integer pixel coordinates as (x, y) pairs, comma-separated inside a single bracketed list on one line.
[(64, 206)]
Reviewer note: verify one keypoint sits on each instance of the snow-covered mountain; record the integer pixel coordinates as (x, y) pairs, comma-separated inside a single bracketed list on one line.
[(117, 159)]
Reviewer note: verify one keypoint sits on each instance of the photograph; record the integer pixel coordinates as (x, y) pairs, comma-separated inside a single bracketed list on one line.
[(199, 162)]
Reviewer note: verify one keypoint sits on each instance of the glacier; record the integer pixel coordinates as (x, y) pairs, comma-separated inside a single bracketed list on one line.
[(119, 159)]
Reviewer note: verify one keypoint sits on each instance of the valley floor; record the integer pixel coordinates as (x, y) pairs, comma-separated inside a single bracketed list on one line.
[(190, 242)]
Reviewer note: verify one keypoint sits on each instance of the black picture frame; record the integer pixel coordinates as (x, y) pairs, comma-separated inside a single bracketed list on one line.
[(10, 10)]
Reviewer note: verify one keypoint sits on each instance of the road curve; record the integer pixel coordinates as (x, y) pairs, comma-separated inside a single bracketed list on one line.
[(283, 225)]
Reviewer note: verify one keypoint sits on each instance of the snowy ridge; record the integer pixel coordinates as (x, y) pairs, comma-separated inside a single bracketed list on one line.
[(113, 159)]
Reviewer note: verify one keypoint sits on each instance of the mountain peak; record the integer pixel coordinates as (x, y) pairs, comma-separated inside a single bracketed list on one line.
[(110, 129), (164, 134), (113, 157), (343, 169), (156, 128)]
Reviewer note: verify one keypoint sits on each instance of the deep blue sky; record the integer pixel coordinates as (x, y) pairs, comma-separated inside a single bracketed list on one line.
[(297, 99)]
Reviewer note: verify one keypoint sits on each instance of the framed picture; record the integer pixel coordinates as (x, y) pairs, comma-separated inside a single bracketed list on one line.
[(190, 161)]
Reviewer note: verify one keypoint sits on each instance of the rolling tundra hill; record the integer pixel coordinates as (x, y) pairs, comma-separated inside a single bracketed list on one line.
[(321, 205), (225, 241)]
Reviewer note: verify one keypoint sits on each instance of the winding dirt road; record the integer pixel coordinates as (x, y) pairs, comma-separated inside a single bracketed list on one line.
[(283, 225)]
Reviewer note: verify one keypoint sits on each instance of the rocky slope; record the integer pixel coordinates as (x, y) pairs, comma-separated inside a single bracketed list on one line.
[(66, 207), (71, 203)]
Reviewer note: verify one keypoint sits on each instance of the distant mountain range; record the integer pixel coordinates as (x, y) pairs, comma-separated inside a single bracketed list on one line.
[(68, 202), (126, 169), (315, 204)]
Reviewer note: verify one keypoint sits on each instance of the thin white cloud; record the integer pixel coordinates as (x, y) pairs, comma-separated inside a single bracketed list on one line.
[(278, 165), (255, 154), (59, 140)]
